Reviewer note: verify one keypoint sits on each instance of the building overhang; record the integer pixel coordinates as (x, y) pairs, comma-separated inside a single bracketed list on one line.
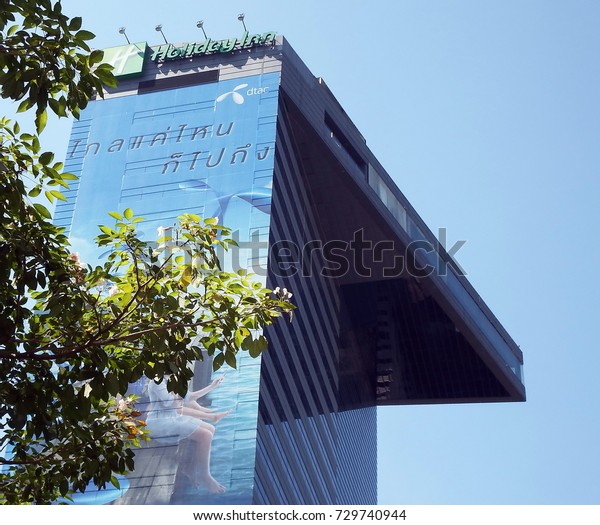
[(432, 337)]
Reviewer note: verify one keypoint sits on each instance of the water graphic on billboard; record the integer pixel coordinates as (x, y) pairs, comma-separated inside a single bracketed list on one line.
[(208, 150)]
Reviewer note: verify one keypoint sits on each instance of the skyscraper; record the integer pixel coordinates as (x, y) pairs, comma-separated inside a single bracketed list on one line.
[(241, 130)]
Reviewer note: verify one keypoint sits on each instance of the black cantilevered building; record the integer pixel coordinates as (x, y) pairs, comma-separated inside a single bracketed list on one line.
[(240, 129)]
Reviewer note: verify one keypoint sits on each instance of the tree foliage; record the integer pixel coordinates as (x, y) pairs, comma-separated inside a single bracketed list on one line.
[(73, 336)]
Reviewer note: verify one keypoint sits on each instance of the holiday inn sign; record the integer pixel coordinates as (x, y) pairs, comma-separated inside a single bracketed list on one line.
[(194, 49), (128, 61)]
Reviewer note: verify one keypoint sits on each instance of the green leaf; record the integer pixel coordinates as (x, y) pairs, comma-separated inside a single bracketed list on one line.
[(115, 481), (115, 215), (254, 349), (34, 192), (42, 210), (128, 213), (46, 158), (58, 106), (75, 25), (186, 276), (58, 195), (230, 359), (53, 105), (41, 118), (111, 384), (96, 56), (241, 334), (106, 77), (258, 346), (84, 35), (218, 361), (25, 105)]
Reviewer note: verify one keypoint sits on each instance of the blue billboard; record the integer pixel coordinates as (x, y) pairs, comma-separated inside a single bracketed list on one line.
[(206, 149)]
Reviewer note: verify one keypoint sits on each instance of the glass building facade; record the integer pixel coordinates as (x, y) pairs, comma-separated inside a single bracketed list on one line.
[(244, 132)]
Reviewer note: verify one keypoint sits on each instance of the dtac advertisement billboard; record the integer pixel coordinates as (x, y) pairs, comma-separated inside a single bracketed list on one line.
[(206, 149)]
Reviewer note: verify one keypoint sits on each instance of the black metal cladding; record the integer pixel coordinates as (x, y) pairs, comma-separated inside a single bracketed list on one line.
[(312, 449)]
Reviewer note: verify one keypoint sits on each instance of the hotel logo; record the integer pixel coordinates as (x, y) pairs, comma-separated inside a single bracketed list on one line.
[(127, 61)]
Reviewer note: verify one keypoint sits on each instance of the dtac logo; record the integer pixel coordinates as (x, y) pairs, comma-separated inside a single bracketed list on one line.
[(237, 97)]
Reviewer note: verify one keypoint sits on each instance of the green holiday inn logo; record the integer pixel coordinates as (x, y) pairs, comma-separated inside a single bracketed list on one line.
[(127, 61)]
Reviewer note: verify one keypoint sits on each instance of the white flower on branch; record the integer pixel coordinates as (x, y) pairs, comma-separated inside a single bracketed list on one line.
[(282, 293)]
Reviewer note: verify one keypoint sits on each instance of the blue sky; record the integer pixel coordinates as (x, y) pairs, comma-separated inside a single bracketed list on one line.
[(487, 115)]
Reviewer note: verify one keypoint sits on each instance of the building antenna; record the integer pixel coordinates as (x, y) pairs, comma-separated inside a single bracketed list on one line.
[(200, 25), (241, 17), (159, 29), (122, 32)]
